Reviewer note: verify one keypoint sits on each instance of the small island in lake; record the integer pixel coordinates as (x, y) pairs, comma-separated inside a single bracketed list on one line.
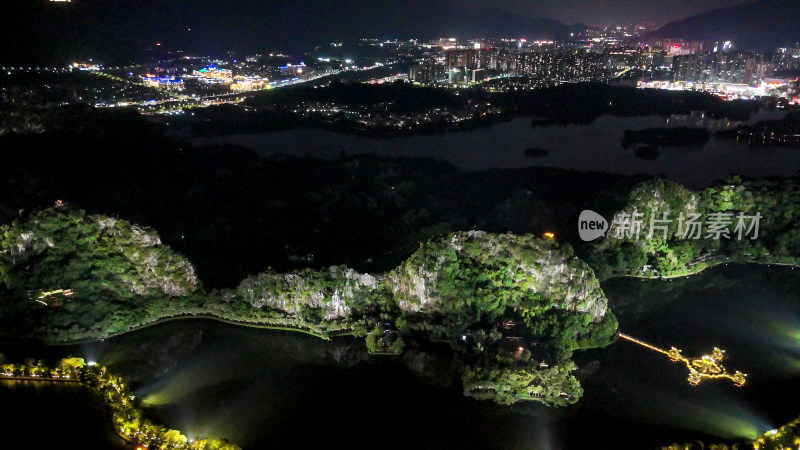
[(666, 137), (777, 133)]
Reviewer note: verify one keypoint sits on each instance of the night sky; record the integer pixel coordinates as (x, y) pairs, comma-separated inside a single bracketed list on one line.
[(37, 31), (608, 12)]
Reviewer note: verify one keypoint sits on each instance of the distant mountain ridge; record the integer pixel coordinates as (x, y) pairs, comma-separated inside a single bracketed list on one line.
[(41, 31), (756, 26)]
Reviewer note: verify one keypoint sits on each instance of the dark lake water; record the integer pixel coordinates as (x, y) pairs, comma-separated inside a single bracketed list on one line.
[(595, 147), (271, 389), (40, 415)]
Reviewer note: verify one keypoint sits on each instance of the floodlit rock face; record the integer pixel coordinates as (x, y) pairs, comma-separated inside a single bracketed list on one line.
[(480, 269), (469, 271), (290, 293), (415, 286), (467, 275), (655, 200), (333, 291), (92, 253)]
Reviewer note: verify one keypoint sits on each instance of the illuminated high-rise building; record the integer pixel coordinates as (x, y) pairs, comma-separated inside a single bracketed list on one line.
[(558, 66), (729, 67), (786, 58), (678, 46), (469, 59), (723, 46), (427, 72)]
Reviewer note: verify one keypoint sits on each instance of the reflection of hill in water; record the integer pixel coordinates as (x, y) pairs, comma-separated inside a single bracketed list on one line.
[(161, 351), (155, 351), (268, 389), (632, 298)]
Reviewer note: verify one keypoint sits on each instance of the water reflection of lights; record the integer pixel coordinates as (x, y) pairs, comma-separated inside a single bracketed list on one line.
[(726, 417), (781, 330)]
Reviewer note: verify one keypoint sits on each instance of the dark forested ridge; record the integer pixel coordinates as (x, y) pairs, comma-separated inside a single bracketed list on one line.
[(755, 26)]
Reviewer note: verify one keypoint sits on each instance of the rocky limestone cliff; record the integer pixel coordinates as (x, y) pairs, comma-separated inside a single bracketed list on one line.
[(474, 269), (524, 271), (334, 290), (73, 249)]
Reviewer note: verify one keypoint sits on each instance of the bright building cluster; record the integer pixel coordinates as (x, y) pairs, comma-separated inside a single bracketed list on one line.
[(169, 83)]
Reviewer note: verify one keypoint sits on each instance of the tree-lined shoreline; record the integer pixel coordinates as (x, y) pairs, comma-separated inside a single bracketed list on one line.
[(127, 418)]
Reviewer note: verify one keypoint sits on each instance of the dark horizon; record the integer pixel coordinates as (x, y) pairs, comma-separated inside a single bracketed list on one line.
[(45, 32), (611, 12)]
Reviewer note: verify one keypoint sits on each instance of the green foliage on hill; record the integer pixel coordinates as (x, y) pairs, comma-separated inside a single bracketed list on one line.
[(470, 278), (69, 275), (119, 277), (461, 287), (778, 201), (111, 266), (619, 253), (316, 295), (127, 259), (733, 204), (510, 385)]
